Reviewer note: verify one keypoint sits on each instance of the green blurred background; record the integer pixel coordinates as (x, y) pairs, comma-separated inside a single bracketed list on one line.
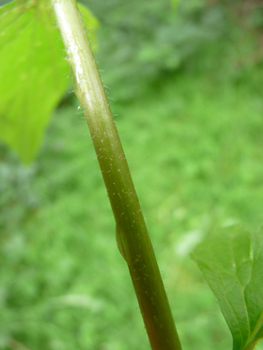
[(184, 80)]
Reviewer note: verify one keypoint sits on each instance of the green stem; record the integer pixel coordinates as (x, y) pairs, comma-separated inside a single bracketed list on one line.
[(132, 236), (251, 346)]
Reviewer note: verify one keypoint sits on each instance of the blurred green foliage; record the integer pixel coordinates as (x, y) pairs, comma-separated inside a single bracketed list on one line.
[(140, 42), (193, 139)]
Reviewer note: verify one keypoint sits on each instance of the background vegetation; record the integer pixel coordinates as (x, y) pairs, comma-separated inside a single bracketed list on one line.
[(185, 83)]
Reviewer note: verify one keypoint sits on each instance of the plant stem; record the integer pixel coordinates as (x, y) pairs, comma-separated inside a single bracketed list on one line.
[(251, 346), (132, 236)]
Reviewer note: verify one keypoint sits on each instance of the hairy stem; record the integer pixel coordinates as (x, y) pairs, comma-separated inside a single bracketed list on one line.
[(132, 236)]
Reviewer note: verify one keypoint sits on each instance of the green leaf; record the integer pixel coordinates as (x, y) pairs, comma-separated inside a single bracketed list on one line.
[(232, 264), (33, 73)]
